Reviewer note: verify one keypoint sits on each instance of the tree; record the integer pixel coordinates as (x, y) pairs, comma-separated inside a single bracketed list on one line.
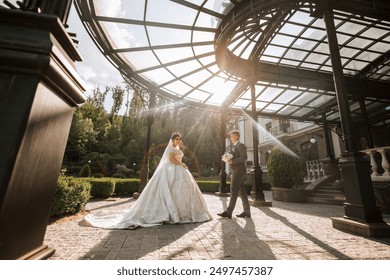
[(117, 96), (81, 133), (108, 139)]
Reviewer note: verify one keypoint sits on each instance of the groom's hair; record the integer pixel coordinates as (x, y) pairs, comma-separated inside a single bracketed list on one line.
[(235, 132)]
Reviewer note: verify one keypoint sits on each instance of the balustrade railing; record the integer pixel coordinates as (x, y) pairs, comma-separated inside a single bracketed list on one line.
[(378, 157), (315, 170), (379, 160)]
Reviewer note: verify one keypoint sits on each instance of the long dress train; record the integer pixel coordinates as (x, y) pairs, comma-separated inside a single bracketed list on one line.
[(171, 196)]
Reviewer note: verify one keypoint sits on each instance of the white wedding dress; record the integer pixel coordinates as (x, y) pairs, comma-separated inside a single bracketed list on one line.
[(171, 196)]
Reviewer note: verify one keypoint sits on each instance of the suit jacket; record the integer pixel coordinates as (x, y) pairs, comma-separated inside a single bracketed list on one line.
[(239, 158)]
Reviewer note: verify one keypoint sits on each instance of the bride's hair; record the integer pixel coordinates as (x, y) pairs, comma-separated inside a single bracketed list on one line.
[(174, 135)]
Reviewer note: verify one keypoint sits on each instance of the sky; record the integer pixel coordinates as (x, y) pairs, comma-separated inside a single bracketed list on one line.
[(95, 69)]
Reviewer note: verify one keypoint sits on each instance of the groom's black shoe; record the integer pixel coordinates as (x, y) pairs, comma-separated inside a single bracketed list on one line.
[(243, 215), (225, 214)]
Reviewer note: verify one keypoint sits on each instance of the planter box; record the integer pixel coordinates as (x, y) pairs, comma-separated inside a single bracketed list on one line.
[(289, 195)]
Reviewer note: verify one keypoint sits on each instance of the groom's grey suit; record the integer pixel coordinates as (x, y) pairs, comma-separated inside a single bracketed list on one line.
[(238, 172)]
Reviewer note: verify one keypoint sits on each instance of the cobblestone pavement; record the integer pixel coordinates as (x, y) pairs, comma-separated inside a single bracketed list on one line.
[(285, 231)]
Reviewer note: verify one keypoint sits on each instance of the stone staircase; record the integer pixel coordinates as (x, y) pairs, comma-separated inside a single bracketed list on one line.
[(326, 194)]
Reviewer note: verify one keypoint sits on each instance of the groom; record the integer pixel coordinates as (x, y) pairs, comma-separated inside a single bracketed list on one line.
[(237, 172)]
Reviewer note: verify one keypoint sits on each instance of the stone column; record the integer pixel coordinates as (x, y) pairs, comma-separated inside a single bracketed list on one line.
[(39, 90)]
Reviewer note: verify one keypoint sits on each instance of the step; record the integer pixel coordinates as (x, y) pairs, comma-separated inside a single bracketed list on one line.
[(328, 191), (324, 200), (339, 196)]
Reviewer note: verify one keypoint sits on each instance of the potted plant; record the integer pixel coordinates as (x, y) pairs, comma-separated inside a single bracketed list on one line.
[(286, 172)]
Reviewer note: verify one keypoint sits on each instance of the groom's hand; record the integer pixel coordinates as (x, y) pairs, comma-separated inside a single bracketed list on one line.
[(230, 162)]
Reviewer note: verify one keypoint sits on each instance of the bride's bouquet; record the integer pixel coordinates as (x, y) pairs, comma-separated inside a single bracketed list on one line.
[(227, 156)]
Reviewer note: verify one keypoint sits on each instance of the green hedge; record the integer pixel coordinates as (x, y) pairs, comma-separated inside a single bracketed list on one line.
[(70, 197), (101, 187), (213, 186), (126, 186), (208, 186)]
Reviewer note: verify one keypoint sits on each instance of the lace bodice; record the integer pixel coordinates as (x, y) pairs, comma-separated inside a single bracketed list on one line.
[(177, 153)]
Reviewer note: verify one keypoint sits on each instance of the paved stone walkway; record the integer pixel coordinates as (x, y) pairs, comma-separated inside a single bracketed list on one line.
[(285, 231)]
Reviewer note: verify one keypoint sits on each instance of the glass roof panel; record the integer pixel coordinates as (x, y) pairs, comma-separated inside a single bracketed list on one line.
[(322, 99), (179, 69), (203, 36), (241, 103), (301, 112), (140, 59), (296, 54), (301, 17), (168, 36), (351, 28), (198, 96), (305, 98), (289, 110), (180, 88), (125, 35), (183, 15), (356, 65), (213, 85), (160, 76), (348, 52), (274, 51), (380, 47), (132, 9), (197, 78), (269, 94), (291, 29), (314, 34), (288, 95), (368, 56), (359, 43), (204, 20), (343, 38), (260, 105), (272, 107), (317, 58), (322, 48), (282, 40), (375, 33), (173, 54)]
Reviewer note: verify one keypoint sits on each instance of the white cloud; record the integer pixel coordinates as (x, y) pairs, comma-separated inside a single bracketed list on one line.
[(112, 8), (95, 69)]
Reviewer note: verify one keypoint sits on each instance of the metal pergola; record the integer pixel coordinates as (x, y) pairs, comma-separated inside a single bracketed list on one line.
[(207, 53)]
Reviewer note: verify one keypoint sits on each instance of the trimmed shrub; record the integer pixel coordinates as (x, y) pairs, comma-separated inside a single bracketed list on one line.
[(101, 187), (71, 196), (285, 170), (126, 186), (119, 175), (85, 171), (208, 186)]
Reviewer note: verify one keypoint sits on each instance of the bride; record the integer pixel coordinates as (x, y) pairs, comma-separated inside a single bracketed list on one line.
[(171, 196)]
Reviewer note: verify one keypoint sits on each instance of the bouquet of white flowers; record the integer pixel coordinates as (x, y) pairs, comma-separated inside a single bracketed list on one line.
[(227, 156)]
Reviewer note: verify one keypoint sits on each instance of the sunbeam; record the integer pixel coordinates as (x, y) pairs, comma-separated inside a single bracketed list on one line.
[(163, 106), (274, 140)]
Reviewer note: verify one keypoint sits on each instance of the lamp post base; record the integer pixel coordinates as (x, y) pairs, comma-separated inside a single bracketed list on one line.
[(376, 230), (263, 203)]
